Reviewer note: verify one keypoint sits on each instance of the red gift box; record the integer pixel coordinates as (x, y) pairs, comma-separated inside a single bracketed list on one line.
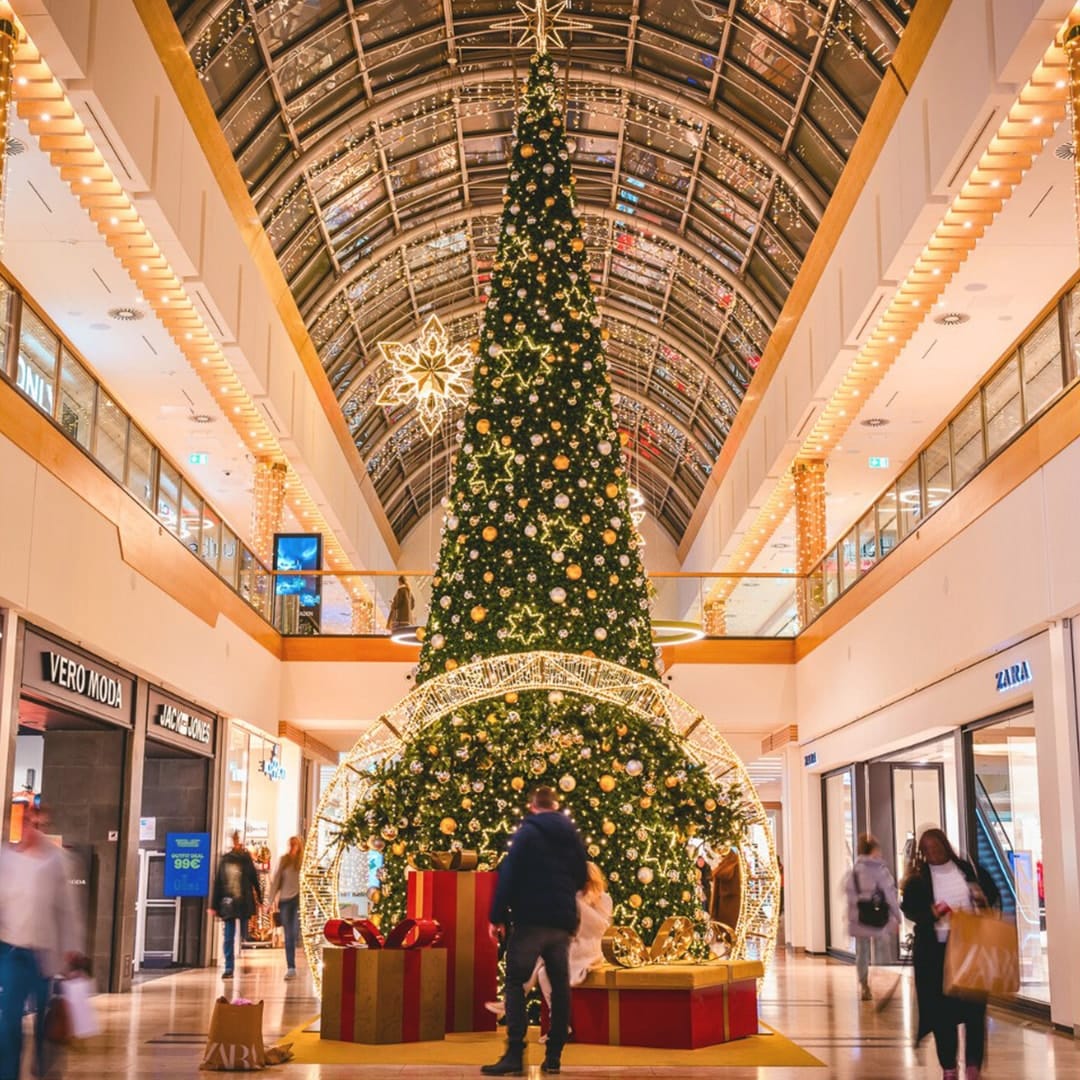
[(461, 902), (383, 995), (674, 1006)]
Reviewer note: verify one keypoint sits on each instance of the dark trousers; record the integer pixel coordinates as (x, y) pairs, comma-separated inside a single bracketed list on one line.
[(527, 945), (290, 923), (20, 979), (229, 939), (947, 1037)]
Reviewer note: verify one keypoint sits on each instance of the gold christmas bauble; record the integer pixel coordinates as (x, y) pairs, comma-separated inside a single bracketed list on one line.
[(466, 803), (511, 697), (478, 613), (481, 736), (611, 490), (588, 652), (567, 783), (607, 782), (586, 518), (448, 826), (577, 244), (528, 150), (483, 426), (710, 805), (621, 730), (505, 440), (613, 579), (518, 784), (399, 848), (474, 346), (671, 781), (646, 802), (489, 577), (608, 828), (561, 462), (421, 633), (609, 536), (523, 503), (635, 901), (432, 749), (489, 533), (591, 594), (556, 425), (573, 571), (450, 664)]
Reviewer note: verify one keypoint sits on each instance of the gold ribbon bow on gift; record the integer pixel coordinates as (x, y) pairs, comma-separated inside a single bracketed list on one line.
[(622, 945), (445, 860)]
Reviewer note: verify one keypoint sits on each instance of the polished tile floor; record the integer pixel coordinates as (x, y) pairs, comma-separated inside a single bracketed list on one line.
[(158, 1031)]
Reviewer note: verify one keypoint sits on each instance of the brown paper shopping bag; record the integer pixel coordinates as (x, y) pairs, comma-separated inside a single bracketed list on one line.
[(982, 956), (235, 1042)]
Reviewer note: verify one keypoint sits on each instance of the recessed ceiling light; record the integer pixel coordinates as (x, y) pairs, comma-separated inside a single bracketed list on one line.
[(952, 318), (1066, 151), (15, 147), (45, 117), (995, 183), (202, 418), (874, 421)]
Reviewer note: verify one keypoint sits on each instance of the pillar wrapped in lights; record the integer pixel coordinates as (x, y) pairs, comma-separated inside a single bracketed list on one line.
[(809, 476), (9, 39), (1072, 54), (268, 508), (363, 614), (715, 616)]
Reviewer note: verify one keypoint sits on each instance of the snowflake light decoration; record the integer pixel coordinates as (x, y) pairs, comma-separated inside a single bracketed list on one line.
[(431, 373), (540, 21)]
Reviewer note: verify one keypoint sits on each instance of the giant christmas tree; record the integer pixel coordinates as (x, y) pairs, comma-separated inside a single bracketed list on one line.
[(538, 549), (539, 552)]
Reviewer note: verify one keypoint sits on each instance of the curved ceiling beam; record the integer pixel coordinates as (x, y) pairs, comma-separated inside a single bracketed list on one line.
[(758, 303), (681, 102), (630, 316)]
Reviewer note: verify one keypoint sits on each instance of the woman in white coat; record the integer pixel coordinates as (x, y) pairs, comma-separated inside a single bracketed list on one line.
[(872, 885)]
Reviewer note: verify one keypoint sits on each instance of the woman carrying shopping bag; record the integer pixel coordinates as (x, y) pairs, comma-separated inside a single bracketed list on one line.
[(939, 884)]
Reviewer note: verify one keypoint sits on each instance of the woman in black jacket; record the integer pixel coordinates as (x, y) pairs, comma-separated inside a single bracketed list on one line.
[(941, 882)]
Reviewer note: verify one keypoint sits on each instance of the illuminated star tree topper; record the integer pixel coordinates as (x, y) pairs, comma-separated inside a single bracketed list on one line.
[(431, 373), (541, 21)]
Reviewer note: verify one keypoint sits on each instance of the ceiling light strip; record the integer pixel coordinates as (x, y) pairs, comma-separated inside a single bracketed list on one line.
[(53, 121), (1011, 151)]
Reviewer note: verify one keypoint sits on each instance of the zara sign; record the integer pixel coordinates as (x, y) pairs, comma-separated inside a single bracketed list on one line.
[(1013, 676)]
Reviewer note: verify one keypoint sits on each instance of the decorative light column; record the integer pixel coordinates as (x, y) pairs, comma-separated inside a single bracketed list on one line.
[(9, 40), (809, 476), (268, 509), (1072, 55), (714, 619)]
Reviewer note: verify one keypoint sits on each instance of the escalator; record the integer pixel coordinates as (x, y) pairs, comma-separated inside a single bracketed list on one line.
[(993, 851)]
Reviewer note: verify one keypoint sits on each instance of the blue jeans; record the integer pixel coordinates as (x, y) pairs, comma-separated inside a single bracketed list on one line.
[(290, 923), (20, 978), (229, 926)]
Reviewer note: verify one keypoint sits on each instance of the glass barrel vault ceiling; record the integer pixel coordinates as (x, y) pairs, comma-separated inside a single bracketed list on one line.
[(708, 136)]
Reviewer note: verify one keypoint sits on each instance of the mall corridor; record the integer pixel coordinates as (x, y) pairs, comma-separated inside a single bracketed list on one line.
[(159, 1031)]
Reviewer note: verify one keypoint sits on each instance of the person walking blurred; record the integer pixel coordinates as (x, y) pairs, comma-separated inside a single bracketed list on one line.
[(236, 896), (285, 888), (401, 606), (940, 883), (873, 907), (41, 935)]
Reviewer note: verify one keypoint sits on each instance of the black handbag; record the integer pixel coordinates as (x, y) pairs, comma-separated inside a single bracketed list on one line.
[(874, 912)]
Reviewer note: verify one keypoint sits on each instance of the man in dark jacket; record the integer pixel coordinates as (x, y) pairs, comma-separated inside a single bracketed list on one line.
[(535, 910), (236, 894)]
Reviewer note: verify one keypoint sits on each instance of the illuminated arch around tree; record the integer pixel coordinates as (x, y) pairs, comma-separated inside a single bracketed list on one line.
[(641, 696)]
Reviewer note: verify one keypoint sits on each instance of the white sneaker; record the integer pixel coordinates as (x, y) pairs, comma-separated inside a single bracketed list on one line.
[(496, 1007), (290, 974)]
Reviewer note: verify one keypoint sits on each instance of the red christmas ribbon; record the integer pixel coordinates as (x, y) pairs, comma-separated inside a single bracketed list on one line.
[(408, 934)]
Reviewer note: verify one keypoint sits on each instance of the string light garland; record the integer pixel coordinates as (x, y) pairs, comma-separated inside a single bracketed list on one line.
[(501, 685), (430, 373), (9, 40)]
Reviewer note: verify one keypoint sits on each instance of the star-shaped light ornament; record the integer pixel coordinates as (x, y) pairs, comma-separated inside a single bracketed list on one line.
[(541, 21), (526, 624), (431, 373)]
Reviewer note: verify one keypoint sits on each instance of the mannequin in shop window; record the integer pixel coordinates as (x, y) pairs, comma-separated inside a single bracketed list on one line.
[(41, 935), (236, 897)]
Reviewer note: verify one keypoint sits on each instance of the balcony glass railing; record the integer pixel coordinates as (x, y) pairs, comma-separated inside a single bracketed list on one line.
[(1017, 391), (362, 603), (45, 369)]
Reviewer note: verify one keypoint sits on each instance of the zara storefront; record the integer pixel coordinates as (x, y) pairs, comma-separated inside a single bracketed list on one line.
[(988, 755)]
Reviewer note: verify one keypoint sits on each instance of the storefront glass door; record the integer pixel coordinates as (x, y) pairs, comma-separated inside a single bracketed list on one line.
[(1008, 836), (839, 792)]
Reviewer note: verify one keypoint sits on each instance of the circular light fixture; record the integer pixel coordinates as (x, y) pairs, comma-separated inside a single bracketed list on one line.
[(15, 147), (125, 314), (406, 635), (1066, 151), (675, 632), (874, 421), (952, 318), (202, 418)]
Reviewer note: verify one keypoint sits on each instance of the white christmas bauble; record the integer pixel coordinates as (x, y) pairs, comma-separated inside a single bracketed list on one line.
[(562, 501), (645, 875), (437, 641), (604, 447), (444, 602), (558, 556), (558, 596), (600, 633), (634, 767), (530, 530)]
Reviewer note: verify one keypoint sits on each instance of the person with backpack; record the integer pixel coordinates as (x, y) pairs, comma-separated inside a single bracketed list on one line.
[(873, 907)]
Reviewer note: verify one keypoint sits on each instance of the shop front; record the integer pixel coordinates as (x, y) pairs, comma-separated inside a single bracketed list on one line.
[(263, 785), (75, 724), (984, 778), (174, 832)]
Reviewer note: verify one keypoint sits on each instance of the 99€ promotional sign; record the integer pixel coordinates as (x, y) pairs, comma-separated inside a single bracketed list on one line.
[(187, 864)]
